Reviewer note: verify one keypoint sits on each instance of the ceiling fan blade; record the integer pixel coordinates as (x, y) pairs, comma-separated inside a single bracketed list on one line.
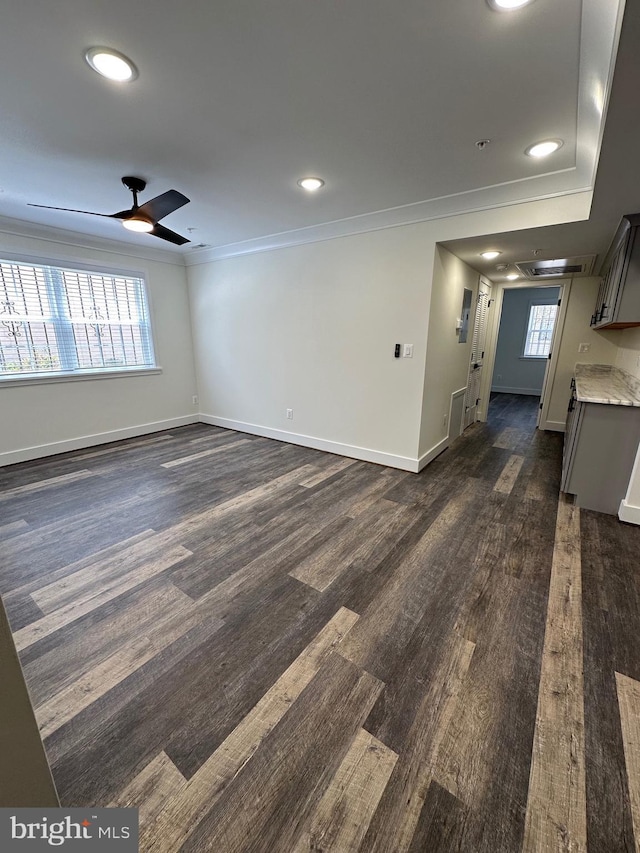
[(162, 205), (166, 234), (122, 215)]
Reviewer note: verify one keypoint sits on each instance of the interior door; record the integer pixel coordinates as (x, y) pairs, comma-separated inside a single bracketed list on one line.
[(472, 395), (555, 342)]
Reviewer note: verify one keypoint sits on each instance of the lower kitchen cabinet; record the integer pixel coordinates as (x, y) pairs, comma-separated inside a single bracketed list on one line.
[(601, 442)]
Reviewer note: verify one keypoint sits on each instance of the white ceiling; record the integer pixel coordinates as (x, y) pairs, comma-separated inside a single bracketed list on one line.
[(237, 99)]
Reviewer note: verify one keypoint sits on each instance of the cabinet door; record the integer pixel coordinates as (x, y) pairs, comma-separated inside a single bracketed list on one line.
[(613, 286), (570, 440)]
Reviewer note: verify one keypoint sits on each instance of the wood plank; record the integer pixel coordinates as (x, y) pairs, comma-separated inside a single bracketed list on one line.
[(51, 482), (181, 815), (129, 444), (326, 473), (59, 659), (442, 823), (91, 576), (342, 816), (508, 438), (103, 555), (358, 541), (150, 789), (609, 819), (556, 806), (629, 704), (83, 732), (216, 434), (180, 617), (341, 692), (12, 527), (395, 821), (509, 475), (92, 600), (377, 643), (183, 460)]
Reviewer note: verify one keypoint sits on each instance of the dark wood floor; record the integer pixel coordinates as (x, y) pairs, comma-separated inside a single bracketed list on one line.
[(268, 648)]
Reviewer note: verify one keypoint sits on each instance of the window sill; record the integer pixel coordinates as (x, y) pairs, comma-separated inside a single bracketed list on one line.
[(533, 357), (49, 379)]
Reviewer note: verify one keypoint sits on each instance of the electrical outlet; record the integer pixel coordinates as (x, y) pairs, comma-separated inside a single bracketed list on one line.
[(194, 399), (290, 414), (584, 347)]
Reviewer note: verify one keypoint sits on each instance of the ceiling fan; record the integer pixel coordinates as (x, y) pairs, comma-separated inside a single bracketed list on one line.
[(145, 217)]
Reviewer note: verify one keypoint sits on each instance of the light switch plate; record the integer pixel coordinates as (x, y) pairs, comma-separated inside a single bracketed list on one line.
[(407, 352)]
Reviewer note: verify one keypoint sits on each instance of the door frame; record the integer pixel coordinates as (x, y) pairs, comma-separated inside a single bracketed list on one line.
[(493, 328)]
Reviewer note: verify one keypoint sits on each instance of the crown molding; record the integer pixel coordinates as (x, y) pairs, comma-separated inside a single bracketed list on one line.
[(475, 201), (62, 236)]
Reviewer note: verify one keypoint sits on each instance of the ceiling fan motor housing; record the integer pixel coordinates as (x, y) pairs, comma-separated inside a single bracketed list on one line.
[(136, 185)]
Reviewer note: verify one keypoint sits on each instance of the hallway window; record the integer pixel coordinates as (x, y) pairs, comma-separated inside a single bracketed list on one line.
[(58, 321), (542, 319)]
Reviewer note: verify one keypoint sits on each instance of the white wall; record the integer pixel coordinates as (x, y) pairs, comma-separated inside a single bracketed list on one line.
[(312, 328), (512, 372), (39, 419), (582, 295), (447, 365)]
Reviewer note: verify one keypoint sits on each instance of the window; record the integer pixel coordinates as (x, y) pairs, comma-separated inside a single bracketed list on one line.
[(57, 322), (537, 342)]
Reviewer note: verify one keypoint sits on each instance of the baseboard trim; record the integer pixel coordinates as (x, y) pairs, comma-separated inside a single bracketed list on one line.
[(39, 451), (554, 426), (366, 454), (629, 513), (532, 392), (430, 455)]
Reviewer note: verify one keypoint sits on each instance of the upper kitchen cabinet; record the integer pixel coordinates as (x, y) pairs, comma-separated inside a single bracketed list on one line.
[(618, 303)]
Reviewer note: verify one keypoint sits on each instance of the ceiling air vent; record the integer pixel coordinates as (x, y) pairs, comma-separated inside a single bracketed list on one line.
[(535, 269)]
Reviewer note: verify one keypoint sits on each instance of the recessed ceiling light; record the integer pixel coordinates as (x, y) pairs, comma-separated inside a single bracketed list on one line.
[(544, 148), (508, 5), (513, 276), (111, 64), (142, 226), (311, 184), (489, 256)]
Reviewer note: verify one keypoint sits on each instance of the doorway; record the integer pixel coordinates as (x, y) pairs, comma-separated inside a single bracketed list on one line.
[(474, 380), (523, 346)]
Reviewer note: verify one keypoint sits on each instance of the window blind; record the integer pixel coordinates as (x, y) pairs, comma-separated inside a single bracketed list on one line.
[(540, 330), (55, 320)]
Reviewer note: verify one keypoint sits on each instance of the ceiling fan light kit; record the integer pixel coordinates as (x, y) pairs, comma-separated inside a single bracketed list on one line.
[(143, 226), (142, 218)]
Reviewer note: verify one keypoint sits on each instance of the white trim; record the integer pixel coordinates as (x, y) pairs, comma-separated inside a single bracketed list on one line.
[(408, 214), (629, 513), (430, 455), (366, 454), (48, 378), (66, 237), (507, 389), (554, 426), (24, 455), (459, 393)]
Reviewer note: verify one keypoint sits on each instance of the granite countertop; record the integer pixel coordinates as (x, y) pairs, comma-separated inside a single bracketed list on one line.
[(604, 383)]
